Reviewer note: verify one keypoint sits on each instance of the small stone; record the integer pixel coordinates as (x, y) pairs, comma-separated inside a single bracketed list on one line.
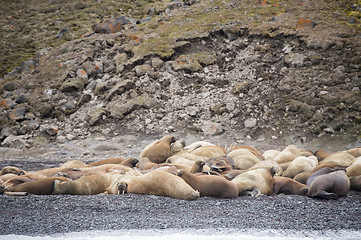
[(86, 97), (250, 122), (82, 74), (212, 129), (70, 137), (17, 114), (144, 69), (157, 62), (295, 59), (192, 111), (61, 139), (52, 131), (73, 84), (23, 97), (14, 142), (329, 130), (96, 115)]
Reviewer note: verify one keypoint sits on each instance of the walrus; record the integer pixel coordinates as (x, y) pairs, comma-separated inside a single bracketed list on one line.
[(320, 154), (210, 185), (197, 144), (220, 164), (287, 154), (43, 186), (268, 163), (6, 177), (355, 168), (243, 158), (175, 159), (300, 164), (209, 151), (130, 162), (159, 183), (159, 150), (341, 158), (87, 185), (287, 185), (74, 164), (356, 183), (197, 166), (330, 186), (252, 149), (319, 172), (302, 177), (11, 183), (145, 164), (270, 154), (255, 182), (12, 169), (356, 152)]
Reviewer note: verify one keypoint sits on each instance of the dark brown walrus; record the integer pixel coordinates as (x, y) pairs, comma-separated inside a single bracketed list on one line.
[(330, 186)]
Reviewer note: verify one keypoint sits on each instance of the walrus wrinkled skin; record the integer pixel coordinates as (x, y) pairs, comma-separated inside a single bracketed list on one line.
[(356, 183), (11, 169), (87, 185), (287, 185), (343, 159), (43, 186), (355, 168), (130, 162), (159, 183), (330, 186), (255, 182), (209, 151), (158, 151), (243, 158), (210, 185), (300, 164)]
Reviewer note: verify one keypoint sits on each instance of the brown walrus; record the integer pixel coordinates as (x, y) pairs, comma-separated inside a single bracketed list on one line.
[(210, 185), (330, 186), (287, 185), (255, 182), (87, 185), (130, 162), (11, 169), (43, 186), (356, 183), (159, 150), (159, 183)]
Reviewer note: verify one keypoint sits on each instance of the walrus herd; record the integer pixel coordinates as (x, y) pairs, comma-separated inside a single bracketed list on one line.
[(169, 167)]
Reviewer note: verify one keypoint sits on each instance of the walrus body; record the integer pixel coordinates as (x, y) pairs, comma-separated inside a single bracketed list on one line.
[(11, 169), (159, 183), (130, 162), (209, 151), (330, 186), (87, 185), (255, 182), (343, 159), (287, 155), (43, 186), (287, 185), (302, 177), (243, 158), (210, 185), (300, 164), (158, 151), (355, 168), (356, 183)]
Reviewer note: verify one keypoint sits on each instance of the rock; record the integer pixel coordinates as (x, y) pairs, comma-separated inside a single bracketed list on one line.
[(33, 125), (329, 130), (95, 115), (241, 87), (114, 25), (70, 137), (45, 110), (5, 132), (212, 129), (120, 88), (106, 147), (250, 122), (73, 85), (82, 74), (100, 88), (192, 111), (157, 62), (14, 142), (91, 85), (52, 131), (61, 139), (86, 97), (9, 86), (144, 69), (120, 61), (120, 110), (23, 97), (295, 59), (303, 23), (26, 65), (17, 114)]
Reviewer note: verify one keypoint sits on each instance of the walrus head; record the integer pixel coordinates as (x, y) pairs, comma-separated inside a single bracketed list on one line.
[(122, 188)]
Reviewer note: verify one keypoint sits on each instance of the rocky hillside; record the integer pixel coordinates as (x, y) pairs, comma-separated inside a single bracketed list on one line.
[(258, 71)]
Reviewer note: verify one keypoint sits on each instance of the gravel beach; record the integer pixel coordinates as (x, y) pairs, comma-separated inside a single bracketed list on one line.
[(45, 215)]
